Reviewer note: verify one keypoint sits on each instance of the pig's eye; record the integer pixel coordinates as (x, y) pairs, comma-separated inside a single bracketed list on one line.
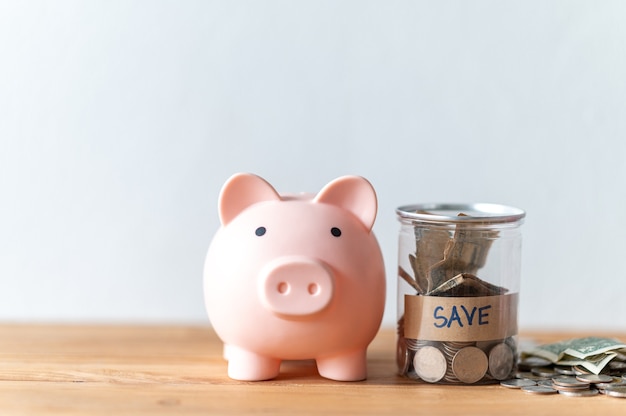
[(336, 232), (260, 231)]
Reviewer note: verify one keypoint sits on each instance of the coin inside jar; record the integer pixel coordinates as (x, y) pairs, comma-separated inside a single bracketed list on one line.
[(402, 356), (501, 359), (470, 364), (430, 364)]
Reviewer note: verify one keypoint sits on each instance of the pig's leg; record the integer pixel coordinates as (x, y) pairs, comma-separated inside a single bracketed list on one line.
[(345, 366), (249, 366), (225, 351)]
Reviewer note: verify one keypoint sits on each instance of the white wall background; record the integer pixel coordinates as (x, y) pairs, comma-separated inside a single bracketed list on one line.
[(120, 120)]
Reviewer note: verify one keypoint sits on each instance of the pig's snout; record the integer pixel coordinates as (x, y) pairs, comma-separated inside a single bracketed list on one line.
[(296, 286)]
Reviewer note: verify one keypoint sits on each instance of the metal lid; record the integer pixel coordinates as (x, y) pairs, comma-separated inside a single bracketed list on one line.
[(479, 213)]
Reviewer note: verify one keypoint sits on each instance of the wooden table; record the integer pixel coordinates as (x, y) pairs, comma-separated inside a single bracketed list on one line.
[(136, 370)]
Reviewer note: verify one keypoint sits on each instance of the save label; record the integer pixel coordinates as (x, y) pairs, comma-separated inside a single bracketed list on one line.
[(481, 318), (469, 317)]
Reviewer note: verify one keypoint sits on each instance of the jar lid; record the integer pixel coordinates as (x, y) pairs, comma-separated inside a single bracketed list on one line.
[(478, 213)]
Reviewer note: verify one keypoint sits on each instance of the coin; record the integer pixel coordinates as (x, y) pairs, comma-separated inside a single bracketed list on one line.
[(402, 357), (569, 388), (516, 383), (529, 376), (616, 391), (616, 382), (579, 393), (617, 365), (568, 381), (594, 378), (530, 362), (487, 345), (412, 344), (501, 360), (430, 364), (564, 370), (545, 383), (579, 369), (543, 371), (602, 387), (538, 390), (470, 364)]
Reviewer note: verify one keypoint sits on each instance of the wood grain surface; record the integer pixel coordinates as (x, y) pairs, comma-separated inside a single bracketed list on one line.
[(175, 370)]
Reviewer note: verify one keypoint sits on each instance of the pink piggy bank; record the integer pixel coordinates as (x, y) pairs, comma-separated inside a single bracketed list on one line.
[(294, 277)]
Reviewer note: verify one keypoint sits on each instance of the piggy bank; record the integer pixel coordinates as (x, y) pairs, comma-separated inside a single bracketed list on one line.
[(295, 277)]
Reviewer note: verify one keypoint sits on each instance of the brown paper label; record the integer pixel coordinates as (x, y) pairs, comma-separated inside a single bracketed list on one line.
[(438, 318)]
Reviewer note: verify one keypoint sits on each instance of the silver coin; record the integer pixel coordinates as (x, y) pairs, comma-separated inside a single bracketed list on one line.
[(470, 364), (545, 383), (543, 371), (579, 393), (616, 391), (459, 344), (517, 383), (579, 369), (416, 344), (564, 370), (538, 390), (615, 383), (402, 357), (594, 378), (412, 344), (530, 362), (430, 364), (530, 376), (501, 360), (568, 381), (617, 365), (569, 388), (451, 348)]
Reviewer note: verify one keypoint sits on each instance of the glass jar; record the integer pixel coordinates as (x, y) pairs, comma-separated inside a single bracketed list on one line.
[(458, 288)]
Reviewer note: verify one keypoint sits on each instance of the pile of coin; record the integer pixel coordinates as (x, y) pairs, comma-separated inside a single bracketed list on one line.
[(451, 362), (540, 376)]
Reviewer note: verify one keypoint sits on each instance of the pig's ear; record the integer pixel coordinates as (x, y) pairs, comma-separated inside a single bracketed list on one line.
[(354, 194), (242, 190)]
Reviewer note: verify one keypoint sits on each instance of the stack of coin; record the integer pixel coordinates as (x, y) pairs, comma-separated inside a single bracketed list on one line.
[(540, 376), (456, 362)]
